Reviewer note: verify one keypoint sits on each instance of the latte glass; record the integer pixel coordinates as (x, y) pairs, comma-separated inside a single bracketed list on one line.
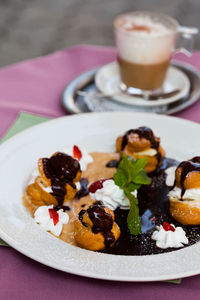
[(145, 42)]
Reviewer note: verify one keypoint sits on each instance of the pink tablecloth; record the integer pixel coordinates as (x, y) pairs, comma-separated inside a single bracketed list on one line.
[(35, 86)]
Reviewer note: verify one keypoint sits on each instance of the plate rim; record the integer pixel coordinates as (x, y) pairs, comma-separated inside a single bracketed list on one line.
[(36, 128)]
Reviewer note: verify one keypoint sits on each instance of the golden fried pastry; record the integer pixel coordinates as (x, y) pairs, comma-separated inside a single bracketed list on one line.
[(59, 165), (61, 172), (185, 197), (95, 228), (191, 179), (185, 212), (56, 183), (36, 195), (141, 142)]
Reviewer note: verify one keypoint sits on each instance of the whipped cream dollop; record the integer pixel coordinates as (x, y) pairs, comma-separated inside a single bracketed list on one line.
[(190, 194), (149, 152), (46, 220), (85, 159), (170, 175), (35, 173), (111, 195), (168, 238)]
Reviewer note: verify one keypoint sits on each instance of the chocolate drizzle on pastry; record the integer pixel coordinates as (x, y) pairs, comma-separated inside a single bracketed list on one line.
[(146, 133), (64, 207), (187, 167), (102, 222), (80, 216), (60, 169), (142, 132)]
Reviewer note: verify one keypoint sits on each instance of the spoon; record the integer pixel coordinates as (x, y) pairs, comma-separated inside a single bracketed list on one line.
[(140, 95)]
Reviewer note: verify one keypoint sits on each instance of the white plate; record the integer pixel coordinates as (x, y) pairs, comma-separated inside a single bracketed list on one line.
[(96, 131), (107, 81)]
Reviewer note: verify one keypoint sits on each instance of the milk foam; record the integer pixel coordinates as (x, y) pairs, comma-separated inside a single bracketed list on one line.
[(140, 40), (142, 25)]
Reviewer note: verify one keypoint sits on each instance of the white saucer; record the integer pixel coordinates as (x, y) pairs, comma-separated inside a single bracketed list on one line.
[(107, 80)]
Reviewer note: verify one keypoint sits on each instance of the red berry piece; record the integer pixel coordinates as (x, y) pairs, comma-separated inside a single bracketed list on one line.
[(96, 185), (168, 227), (54, 215), (77, 152)]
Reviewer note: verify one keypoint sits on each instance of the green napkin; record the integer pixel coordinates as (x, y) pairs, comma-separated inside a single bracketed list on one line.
[(26, 120)]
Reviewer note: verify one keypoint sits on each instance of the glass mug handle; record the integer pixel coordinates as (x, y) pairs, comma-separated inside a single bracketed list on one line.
[(185, 40)]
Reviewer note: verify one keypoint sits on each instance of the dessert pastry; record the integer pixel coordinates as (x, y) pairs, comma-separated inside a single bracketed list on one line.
[(37, 195), (95, 228), (80, 198), (141, 142), (184, 198), (61, 172), (56, 182), (41, 193)]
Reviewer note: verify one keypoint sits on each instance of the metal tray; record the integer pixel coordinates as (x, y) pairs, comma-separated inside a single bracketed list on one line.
[(74, 103)]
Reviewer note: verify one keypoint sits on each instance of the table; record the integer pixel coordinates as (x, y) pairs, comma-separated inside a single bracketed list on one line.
[(35, 86)]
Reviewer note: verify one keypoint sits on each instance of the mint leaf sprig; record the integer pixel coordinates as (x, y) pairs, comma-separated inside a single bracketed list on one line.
[(129, 176)]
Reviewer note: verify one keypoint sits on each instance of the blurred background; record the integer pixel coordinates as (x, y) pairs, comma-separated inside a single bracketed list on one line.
[(30, 28)]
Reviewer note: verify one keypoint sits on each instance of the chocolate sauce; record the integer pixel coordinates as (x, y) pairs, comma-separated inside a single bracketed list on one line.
[(80, 216), (64, 207), (60, 169), (154, 210), (147, 133), (195, 159), (142, 132), (114, 163), (84, 188), (102, 222), (187, 167)]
